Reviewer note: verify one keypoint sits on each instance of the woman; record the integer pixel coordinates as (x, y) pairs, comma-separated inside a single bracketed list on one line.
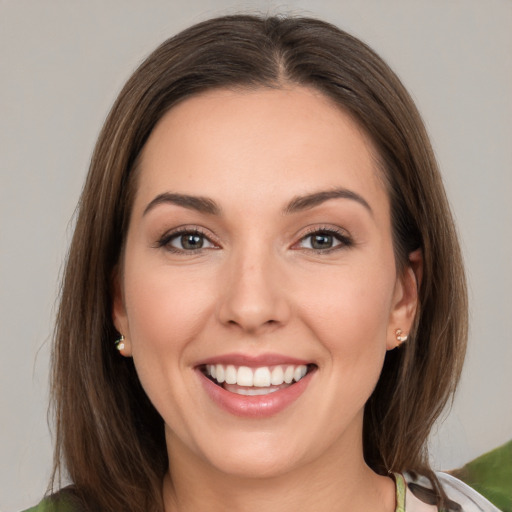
[(265, 239)]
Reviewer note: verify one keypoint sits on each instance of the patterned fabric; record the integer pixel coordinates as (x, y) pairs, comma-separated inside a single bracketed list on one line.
[(463, 498)]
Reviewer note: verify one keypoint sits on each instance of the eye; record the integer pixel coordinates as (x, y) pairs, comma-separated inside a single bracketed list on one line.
[(186, 241), (324, 240)]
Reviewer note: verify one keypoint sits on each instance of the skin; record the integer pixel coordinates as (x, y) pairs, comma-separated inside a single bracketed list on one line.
[(258, 286)]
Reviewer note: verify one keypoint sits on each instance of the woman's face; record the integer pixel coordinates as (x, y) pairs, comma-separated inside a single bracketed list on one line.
[(259, 250)]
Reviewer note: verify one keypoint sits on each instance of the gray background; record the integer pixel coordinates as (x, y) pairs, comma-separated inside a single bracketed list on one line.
[(62, 64)]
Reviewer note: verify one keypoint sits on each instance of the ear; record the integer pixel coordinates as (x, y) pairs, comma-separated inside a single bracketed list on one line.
[(119, 315), (405, 300)]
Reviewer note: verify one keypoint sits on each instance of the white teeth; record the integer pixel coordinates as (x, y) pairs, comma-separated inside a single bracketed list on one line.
[(288, 374), (244, 376), (299, 372), (262, 377), (219, 374), (230, 374), (277, 377)]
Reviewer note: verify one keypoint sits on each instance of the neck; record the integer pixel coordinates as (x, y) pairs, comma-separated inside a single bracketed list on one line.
[(339, 480)]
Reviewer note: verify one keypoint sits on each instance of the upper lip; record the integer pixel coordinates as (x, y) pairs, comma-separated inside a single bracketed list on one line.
[(253, 361)]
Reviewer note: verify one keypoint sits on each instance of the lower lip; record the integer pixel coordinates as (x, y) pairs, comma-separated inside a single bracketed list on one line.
[(259, 406)]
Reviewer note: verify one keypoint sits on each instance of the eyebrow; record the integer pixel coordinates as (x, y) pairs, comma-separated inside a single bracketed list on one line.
[(309, 201), (297, 204), (200, 204)]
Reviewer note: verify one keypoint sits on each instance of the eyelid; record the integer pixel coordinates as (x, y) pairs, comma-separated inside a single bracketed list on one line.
[(165, 239), (341, 235)]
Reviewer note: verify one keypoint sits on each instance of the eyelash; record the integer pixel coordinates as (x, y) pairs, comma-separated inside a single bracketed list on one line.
[(339, 235), (167, 238), (344, 240)]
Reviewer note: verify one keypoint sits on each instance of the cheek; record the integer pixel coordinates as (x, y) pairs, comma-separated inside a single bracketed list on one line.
[(353, 310), (166, 312), (350, 319), (165, 307)]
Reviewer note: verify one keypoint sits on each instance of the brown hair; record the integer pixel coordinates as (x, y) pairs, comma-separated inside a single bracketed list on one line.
[(108, 435)]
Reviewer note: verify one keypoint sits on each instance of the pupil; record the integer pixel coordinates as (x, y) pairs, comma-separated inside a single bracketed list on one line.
[(322, 242), (191, 241)]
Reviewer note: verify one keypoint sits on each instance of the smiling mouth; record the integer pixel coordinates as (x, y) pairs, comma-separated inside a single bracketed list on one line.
[(263, 380)]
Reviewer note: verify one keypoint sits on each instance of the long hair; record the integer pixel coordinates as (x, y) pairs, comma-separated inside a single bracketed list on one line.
[(109, 438)]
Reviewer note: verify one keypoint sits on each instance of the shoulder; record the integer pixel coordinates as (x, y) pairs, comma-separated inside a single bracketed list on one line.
[(63, 501), (469, 499), (463, 498), (48, 505), (490, 475)]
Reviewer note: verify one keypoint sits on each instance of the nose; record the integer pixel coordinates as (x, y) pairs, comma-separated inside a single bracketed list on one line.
[(253, 295)]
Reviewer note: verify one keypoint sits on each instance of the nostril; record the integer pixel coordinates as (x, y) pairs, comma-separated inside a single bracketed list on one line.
[(252, 325)]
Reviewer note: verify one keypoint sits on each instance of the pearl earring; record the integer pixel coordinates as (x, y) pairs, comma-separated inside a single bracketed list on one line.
[(399, 337), (120, 343)]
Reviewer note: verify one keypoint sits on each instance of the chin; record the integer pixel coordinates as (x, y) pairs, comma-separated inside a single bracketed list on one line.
[(256, 467), (261, 455)]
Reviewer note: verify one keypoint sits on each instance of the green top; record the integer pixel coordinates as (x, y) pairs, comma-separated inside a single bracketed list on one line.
[(491, 475), (49, 505), (62, 501), (400, 492)]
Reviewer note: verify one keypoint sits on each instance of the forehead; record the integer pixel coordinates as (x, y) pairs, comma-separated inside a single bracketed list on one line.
[(250, 144)]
